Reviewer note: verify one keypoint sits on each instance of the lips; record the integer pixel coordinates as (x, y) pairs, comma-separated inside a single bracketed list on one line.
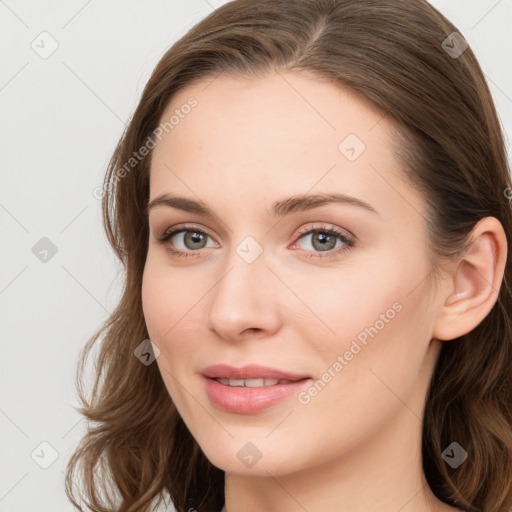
[(224, 371), (250, 389)]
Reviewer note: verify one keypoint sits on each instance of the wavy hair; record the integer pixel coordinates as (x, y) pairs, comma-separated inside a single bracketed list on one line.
[(137, 450)]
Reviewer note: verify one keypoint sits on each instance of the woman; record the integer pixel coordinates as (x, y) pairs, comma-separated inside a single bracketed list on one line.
[(310, 205)]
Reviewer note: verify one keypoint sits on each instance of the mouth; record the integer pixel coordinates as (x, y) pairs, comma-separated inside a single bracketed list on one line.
[(250, 372), (252, 383), (250, 389)]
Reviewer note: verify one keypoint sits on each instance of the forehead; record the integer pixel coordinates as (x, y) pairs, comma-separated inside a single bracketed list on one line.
[(282, 134), (288, 107)]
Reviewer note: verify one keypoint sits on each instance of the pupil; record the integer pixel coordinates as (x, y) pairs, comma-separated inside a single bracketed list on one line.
[(195, 237), (324, 240)]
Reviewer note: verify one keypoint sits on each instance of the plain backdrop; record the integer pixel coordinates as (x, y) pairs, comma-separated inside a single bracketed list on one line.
[(61, 115)]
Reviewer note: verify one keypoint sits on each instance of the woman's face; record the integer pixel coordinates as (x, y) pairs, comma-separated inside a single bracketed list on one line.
[(350, 311)]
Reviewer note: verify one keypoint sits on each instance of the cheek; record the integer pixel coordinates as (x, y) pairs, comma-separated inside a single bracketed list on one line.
[(172, 307), (155, 302), (167, 306), (168, 296), (374, 323), (340, 304), (369, 371)]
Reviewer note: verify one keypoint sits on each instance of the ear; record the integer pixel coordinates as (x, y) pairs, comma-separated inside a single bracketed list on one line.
[(474, 282)]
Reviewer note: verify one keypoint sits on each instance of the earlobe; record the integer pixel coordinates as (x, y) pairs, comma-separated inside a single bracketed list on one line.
[(474, 282)]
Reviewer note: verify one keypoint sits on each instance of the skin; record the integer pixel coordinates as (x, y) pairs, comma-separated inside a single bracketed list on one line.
[(356, 446)]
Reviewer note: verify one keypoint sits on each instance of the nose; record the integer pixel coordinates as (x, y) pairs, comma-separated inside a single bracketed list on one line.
[(245, 299)]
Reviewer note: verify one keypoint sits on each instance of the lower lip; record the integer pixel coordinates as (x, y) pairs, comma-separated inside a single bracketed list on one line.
[(244, 400)]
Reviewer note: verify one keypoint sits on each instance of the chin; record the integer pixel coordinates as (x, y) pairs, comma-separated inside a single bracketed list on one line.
[(257, 458)]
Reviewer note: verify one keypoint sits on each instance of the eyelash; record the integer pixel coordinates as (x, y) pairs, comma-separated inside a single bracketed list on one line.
[(349, 243)]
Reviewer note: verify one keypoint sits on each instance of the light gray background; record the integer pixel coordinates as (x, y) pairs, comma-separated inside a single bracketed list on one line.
[(60, 119)]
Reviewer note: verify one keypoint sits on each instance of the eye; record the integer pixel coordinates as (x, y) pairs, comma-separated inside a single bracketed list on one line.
[(325, 240), (192, 238), (322, 239)]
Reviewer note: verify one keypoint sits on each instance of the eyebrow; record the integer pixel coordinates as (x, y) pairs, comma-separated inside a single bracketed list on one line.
[(280, 208)]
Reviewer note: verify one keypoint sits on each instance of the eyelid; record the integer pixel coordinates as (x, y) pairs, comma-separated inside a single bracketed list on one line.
[(325, 227), (173, 230)]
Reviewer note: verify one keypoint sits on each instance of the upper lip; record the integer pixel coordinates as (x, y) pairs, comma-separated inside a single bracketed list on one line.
[(252, 371)]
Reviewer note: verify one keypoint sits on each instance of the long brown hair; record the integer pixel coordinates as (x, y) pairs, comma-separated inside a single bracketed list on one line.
[(393, 54)]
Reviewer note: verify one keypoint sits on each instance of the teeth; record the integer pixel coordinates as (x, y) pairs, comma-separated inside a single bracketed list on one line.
[(251, 383), (258, 383), (236, 382)]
